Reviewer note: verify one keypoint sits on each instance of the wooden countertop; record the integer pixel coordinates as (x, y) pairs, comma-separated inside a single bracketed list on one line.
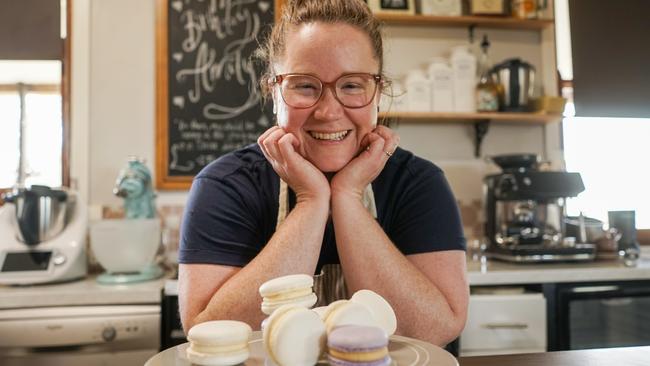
[(628, 356)]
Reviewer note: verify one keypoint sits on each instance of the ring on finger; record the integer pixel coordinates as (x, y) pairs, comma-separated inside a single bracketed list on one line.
[(389, 154)]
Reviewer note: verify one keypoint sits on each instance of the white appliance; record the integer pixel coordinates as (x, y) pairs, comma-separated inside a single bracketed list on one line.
[(57, 259), (126, 248), (123, 335)]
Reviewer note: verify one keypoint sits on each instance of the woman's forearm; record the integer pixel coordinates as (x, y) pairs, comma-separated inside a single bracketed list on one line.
[(294, 248), (370, 260)]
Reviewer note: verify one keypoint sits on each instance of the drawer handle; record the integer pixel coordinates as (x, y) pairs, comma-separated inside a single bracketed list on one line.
[(505, 326)]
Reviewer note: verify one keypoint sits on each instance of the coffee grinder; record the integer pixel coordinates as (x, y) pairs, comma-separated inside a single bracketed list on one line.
[(525, 212)]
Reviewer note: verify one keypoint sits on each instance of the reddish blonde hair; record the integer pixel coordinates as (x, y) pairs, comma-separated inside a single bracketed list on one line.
[(298, 12)]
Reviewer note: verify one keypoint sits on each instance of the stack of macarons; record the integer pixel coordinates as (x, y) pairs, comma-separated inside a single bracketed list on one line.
[(294, 289), (295, 335), (219, 343), (358, 345)]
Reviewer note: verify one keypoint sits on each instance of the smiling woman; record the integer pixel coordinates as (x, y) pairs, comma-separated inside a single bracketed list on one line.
[(326, 191)]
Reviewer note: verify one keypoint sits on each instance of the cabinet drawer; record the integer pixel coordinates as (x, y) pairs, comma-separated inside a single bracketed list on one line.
[(505, 322)]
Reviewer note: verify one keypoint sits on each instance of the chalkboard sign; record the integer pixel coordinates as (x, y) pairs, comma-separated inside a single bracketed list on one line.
[(208, 98)]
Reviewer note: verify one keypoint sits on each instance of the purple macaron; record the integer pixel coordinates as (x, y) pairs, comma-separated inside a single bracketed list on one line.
[(358, 339)]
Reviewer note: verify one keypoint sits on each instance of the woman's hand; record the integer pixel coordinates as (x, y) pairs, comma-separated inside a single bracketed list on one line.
[(280, 149), (377, 146)]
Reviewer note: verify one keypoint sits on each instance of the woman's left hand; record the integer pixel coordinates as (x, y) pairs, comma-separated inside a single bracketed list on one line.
[(377, 147)]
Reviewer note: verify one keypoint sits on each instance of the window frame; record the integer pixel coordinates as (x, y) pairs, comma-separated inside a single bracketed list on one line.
[(64, 90)]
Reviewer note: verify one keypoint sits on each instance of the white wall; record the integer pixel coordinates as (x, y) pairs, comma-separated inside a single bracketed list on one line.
[(114, 100)]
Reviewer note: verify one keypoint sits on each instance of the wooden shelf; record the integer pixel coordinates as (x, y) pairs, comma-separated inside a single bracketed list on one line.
[(466, 21), (499, 117)]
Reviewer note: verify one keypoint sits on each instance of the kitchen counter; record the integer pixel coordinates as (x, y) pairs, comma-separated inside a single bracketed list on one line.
[(492, 272), (628, 356), (82, 292)]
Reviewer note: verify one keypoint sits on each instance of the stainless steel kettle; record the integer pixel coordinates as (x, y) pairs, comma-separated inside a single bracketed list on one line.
[(41, 212), (515, 80)]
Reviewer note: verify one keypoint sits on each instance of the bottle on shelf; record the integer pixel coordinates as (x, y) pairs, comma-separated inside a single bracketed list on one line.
[(487, 92), (463, 64), (441, 77), (418, 91), (395, 101)]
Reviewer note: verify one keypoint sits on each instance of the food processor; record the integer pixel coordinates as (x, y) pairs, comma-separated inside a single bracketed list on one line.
[(42, 236)]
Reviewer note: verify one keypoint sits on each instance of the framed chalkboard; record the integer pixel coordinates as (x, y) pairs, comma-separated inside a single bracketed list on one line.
[(208, 101)]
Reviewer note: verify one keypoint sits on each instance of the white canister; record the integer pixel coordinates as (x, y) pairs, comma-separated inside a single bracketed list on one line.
[(418, 91), (395, 101), (441, 78), (463, 64)]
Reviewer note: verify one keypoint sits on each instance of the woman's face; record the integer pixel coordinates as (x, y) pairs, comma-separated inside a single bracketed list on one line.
[(327, 51)]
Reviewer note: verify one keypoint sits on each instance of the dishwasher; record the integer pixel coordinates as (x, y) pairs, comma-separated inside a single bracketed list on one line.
[(96, 335)]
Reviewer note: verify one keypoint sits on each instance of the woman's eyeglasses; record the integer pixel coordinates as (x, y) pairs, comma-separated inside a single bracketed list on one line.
[(304, 91)]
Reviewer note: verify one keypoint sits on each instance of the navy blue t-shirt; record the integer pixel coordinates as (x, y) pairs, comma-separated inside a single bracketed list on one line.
[(232, 209)]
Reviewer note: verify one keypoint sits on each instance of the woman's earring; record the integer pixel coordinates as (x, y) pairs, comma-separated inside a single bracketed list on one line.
[(275, 109)]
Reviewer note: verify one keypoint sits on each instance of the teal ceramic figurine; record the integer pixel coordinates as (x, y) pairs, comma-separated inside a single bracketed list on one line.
[(134, 185)]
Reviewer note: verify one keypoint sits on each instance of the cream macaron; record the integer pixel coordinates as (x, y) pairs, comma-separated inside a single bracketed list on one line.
[(219, 343), (292, 289), (380, 308), (294, 336), (345, 312)]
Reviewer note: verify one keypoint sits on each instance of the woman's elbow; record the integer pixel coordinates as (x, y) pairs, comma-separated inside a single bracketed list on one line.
[(447, 332)]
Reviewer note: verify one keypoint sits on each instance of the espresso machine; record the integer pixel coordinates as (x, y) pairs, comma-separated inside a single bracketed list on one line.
[(525, 212)]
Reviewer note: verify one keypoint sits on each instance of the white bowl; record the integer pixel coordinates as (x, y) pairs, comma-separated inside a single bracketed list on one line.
[(125, 245)]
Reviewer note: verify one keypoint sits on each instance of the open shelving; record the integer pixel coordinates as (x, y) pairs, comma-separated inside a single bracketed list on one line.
[(495, 22), (453, 117), (480, 120)]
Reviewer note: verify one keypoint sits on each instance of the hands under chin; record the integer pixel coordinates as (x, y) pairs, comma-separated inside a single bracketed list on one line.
[(307, 181), (352, 180)]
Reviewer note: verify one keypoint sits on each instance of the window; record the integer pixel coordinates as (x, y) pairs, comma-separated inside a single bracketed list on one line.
[(31, 143), (609, 153)]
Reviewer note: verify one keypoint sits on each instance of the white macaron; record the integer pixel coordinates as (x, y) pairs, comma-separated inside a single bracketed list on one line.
[(292, 289), (344, 312), (294, 335), (380, 308), (219, 343)]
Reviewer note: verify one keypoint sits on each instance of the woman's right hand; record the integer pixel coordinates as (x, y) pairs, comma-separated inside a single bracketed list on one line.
[(281, 150)]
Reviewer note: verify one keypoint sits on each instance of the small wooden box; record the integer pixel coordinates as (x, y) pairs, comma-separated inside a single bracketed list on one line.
[(488, 7), (549, 105)]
